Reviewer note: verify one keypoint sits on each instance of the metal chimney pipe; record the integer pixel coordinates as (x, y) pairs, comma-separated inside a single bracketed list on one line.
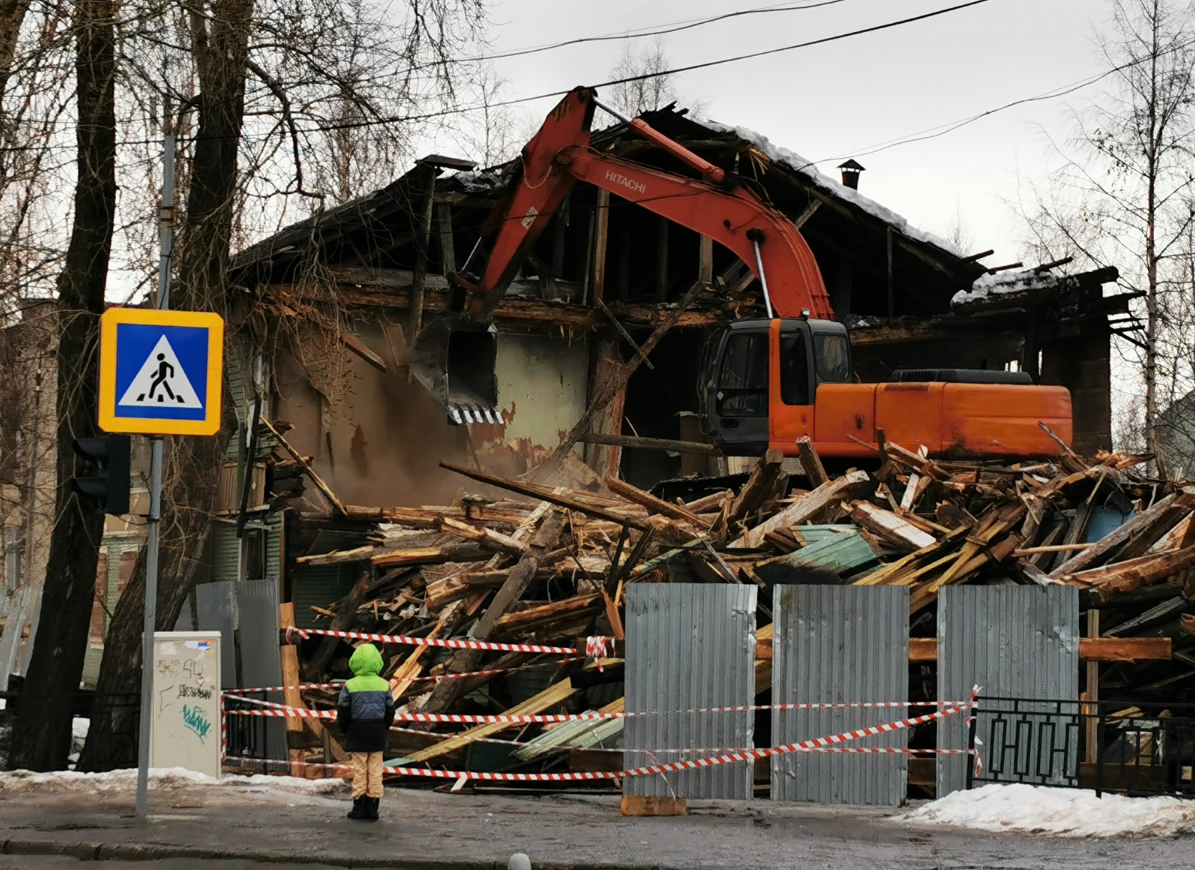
[(850, 173)]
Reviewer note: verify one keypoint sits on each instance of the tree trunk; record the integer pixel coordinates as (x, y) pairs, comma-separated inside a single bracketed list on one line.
[(220, 37), (41, 737), (12, 16)]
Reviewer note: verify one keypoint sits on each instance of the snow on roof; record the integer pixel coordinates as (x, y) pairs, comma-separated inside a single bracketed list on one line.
[(797, 163), (986, 286), (1063, 812)]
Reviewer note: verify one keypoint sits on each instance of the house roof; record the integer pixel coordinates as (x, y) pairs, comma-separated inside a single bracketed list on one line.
[(850, 234)]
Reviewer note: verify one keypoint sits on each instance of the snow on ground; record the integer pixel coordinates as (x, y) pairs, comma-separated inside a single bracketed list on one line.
[(1063, 812), (115, 781)]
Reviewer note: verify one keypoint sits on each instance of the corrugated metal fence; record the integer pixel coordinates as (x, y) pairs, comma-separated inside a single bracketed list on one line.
[(689, 646), (1012, 641), (835, 644)]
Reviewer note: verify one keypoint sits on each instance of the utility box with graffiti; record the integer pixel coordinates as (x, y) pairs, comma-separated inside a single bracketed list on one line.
[(185, 728)]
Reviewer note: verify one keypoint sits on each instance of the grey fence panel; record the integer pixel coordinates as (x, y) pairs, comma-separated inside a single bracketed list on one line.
[(215, 610), (1011, 641), (689, 646), (261, 657), (837, 644)]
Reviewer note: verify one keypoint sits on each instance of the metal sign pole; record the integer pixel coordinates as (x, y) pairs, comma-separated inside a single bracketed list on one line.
[(166, 238)]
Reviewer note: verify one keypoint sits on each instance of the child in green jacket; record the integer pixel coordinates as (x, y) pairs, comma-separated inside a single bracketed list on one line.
[(365, 712)]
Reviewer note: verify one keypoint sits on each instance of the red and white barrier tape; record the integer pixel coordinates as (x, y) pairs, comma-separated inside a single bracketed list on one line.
[(432, 678), (282, 711), (742, 755), (447, 643)]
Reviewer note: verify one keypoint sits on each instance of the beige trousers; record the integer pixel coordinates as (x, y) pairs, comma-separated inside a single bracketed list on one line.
[(367, 774)]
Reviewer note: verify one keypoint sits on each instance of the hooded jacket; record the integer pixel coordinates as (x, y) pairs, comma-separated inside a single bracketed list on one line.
[(365, 708)]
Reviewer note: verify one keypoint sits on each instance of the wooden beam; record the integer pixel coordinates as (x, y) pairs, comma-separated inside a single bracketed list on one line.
[(422, 243), (606, 393), (444, 237), (544, 494), (601, 233), (662, 259), (1091, 649), (810, 211), (705, 261), (653, 504), (811, 463), (651, 443)]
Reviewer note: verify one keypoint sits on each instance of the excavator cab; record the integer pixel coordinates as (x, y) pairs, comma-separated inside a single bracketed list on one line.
[(741, 361)]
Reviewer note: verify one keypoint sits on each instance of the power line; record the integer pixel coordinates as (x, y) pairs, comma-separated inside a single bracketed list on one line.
[(661, 30), (444, 113), (348, 125), (1052, 94)]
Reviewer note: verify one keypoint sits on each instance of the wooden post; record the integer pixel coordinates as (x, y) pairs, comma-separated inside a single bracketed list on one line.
[(891, 281), (1092, 695), (705, 262), (606, 459), (601, 228), (292, 697), (662, 259), (422, 240), (444, 234), (654, 806)]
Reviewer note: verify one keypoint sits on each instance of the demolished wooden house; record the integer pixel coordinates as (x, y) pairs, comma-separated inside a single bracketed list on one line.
[(341, 451), (551, 565)]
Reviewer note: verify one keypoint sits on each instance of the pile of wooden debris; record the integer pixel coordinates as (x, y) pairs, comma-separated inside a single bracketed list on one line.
[(552, 565)]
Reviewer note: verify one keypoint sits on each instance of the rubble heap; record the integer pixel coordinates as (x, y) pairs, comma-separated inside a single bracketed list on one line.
[(551, 565)]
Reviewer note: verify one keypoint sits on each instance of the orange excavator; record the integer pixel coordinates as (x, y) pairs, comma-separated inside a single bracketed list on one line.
[(766, 382)]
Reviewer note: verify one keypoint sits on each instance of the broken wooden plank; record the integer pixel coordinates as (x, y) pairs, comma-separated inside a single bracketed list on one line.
[(811, 463), (758, 486), (550, 697), (804, 509), (653, 504), (1121, 577), (1105, 547), (326, 490), (891, 528), (484, 537), (512, 590)]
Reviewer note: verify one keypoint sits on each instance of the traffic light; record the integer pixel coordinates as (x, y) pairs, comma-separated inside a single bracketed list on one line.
[(109, 486)]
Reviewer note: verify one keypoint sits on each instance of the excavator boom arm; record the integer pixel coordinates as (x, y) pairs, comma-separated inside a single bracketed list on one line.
[(763, 237)]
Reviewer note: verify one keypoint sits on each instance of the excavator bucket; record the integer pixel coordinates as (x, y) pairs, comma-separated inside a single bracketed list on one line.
[(455, 360)]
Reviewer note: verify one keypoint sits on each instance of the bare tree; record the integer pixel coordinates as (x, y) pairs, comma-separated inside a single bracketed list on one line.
[(294, 105), (1122, 194), (648, 84), (41, 736)]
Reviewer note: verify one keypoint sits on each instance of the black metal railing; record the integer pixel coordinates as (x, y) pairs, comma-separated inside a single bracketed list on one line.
[(1134, 748), (246, 738)]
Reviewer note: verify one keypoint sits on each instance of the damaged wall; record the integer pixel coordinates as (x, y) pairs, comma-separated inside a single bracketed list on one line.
[(377, 438)]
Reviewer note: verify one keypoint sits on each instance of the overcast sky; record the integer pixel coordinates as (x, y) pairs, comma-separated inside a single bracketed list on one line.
[(845, 98)]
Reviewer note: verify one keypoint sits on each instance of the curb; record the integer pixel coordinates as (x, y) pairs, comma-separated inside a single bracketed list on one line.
[(159, 852)]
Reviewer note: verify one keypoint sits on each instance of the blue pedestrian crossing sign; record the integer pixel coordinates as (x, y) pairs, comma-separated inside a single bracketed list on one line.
[(160, 371)]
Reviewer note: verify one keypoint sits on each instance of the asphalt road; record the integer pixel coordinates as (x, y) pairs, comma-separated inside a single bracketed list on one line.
[(237, 827)]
